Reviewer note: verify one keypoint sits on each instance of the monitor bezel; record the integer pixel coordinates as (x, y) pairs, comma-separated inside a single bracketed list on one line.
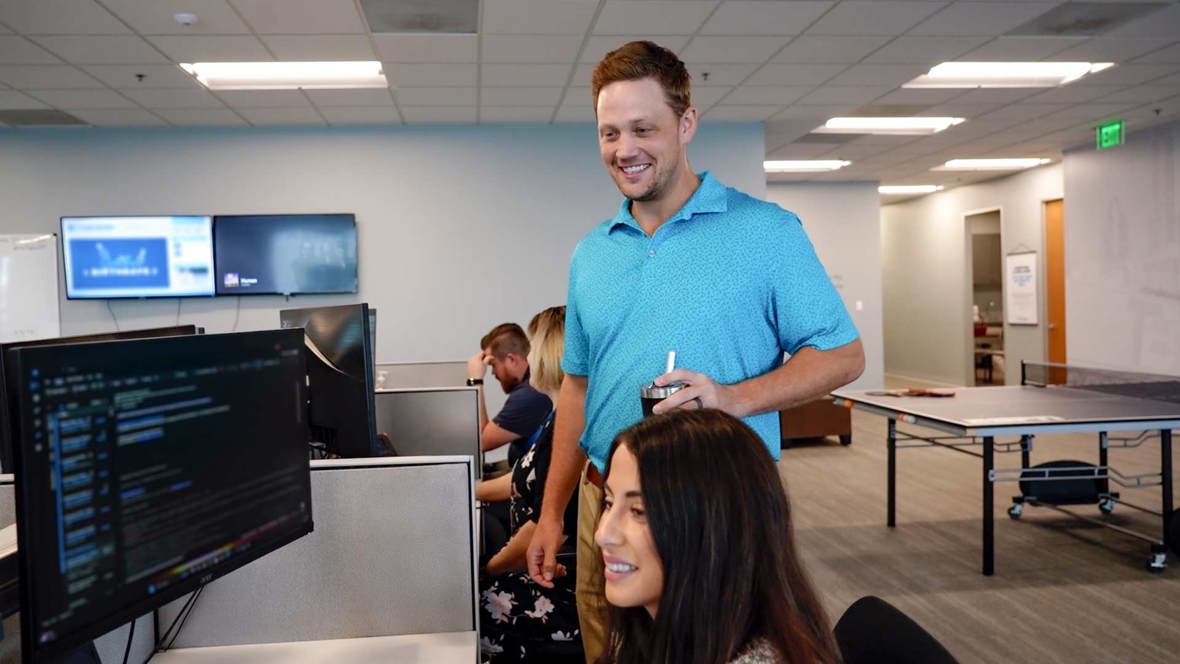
[(67, 270), (217, 281)]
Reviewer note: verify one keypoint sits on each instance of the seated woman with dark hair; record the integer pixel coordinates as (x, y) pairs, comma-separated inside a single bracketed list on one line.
[(519, 620), (699, 555)]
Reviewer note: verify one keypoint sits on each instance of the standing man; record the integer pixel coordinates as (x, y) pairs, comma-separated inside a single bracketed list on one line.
[(689, 265), (506, 349)]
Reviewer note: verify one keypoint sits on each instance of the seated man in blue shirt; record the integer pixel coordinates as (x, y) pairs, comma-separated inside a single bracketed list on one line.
[(505, 349)]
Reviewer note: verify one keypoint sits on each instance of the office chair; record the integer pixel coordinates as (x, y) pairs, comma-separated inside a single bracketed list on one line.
[(874, 631)]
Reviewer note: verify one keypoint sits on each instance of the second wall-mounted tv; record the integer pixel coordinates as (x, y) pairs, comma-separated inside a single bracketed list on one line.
[(285, 254)]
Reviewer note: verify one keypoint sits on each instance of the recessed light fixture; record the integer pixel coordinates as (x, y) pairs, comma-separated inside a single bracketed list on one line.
[(804, 165), (991, 164), (896, 189), (908, 126), (1005, 74), (287, 75)]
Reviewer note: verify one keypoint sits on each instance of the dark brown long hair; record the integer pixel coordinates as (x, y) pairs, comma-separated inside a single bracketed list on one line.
[(721, 524)]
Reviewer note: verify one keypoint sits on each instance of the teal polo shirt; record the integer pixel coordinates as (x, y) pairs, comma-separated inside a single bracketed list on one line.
[(729, 282)]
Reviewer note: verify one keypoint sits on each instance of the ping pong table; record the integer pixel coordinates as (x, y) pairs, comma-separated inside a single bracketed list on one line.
[(1051, 399)]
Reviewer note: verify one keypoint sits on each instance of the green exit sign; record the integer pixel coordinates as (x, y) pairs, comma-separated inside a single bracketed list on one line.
[(1110, 134)]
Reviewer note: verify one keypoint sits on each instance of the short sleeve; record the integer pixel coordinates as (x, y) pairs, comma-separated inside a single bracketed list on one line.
[(524, 411), (808, 309), (575, 356)]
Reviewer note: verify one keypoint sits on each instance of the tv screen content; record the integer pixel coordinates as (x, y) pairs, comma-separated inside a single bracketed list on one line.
[(137, 257), (285, 254)]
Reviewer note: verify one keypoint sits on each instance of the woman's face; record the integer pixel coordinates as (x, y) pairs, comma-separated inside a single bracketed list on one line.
[(633, 569)]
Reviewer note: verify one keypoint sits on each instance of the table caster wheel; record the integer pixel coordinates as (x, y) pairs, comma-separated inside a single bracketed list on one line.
[(846, 439), (1157, 562), (1106, 506), (1015, 511)]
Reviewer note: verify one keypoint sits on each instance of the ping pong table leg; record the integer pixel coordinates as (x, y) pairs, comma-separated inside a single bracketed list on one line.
[(988, 517), (891, 486)]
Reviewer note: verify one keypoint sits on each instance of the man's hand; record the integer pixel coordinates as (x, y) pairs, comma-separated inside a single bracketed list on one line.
[(699, 392), (477, 366), (542, 552)]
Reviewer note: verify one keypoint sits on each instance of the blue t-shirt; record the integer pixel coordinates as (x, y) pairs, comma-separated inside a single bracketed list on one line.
[(729, 282)]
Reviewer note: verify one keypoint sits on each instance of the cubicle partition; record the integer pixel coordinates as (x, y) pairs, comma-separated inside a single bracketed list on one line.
[(430, 420), (399, 375)]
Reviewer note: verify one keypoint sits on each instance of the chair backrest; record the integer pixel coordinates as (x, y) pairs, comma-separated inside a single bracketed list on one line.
[(872, 630)]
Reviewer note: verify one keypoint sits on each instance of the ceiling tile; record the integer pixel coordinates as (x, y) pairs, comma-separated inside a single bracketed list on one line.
[(981, 18), (361, 115), (515, 114), (241, 99), (1021, 111), (529, 48), (370, 97), (840, 94), (1016, 49), (184, 117), (93, 99), (15, 50), (995, 95), (154, 76), (301, 17), (438, 114), (157, 17), (320, 47), (732, 49), (871, 74), (810, 49), (582, 74), (817, 113), (524, 75), (60, 17), (705, 97), (166, 98), (11, 99), (926, 51), (766, 17), (919, 96), (47, 77), (597, 46), (1169, 55), (656, 17), (102, 50), (427, 48), (1070, 94), (719, 74), (1142, 94), (873, 17), (427, 75), (538, 17), (1131, 74), (570, 114), (520, 97), (281, 116), (1111, 50), (1164, 24), (130, 117), (780, 95), (782, 74), (213, 48), (436, 96), (727, 113)]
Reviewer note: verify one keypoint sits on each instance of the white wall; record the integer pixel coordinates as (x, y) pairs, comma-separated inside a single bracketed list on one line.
[(927, 280), (460, 227), (1122, 245), (843, 222)]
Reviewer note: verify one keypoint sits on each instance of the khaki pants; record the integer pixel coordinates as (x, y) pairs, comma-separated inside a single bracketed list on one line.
[(590, 585)]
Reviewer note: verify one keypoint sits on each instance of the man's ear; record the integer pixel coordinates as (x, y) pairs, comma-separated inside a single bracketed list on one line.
[(688, 125)]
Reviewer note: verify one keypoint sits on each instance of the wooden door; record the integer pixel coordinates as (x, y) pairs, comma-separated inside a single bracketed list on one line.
[(1054, 213)]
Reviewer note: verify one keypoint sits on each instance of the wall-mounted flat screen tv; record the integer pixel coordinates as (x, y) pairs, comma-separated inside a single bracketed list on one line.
[(285, 254), (137, 256)]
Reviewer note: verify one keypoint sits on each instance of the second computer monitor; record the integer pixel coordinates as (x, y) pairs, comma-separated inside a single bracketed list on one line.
[(340, 373)]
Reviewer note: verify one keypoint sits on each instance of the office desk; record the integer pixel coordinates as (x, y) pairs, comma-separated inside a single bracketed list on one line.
[(977, 416), (449, 648)]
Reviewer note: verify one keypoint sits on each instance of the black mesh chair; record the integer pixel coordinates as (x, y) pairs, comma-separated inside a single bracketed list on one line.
[(874, 631)]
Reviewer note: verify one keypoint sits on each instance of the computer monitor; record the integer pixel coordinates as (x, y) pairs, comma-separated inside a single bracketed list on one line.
[(340, 375), (7, 391), (141, 481), (137, 256), (285, 254)]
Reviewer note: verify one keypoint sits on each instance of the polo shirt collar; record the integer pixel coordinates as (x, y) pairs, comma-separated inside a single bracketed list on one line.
[(709, 197)]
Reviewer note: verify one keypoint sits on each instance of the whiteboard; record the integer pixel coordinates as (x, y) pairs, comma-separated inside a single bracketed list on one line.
[(29, 306)]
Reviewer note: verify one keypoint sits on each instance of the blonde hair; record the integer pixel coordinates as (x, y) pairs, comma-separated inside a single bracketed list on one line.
[(547, 335)]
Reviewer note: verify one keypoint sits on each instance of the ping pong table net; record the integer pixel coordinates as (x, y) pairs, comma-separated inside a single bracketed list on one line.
[(1157, 387)]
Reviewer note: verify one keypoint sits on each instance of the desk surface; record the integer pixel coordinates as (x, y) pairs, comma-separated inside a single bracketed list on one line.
[(1018, 409), (448, 648)]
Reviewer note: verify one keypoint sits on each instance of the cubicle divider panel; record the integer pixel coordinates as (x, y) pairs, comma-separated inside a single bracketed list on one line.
[(7, 500), (398, 375), (393, 552), (430, 421)]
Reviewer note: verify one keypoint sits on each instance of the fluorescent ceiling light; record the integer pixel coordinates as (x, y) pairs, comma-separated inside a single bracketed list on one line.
[(287, 75), (1005, 74), (804, 165), (895, 189), (991, 164), (909, 126)]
